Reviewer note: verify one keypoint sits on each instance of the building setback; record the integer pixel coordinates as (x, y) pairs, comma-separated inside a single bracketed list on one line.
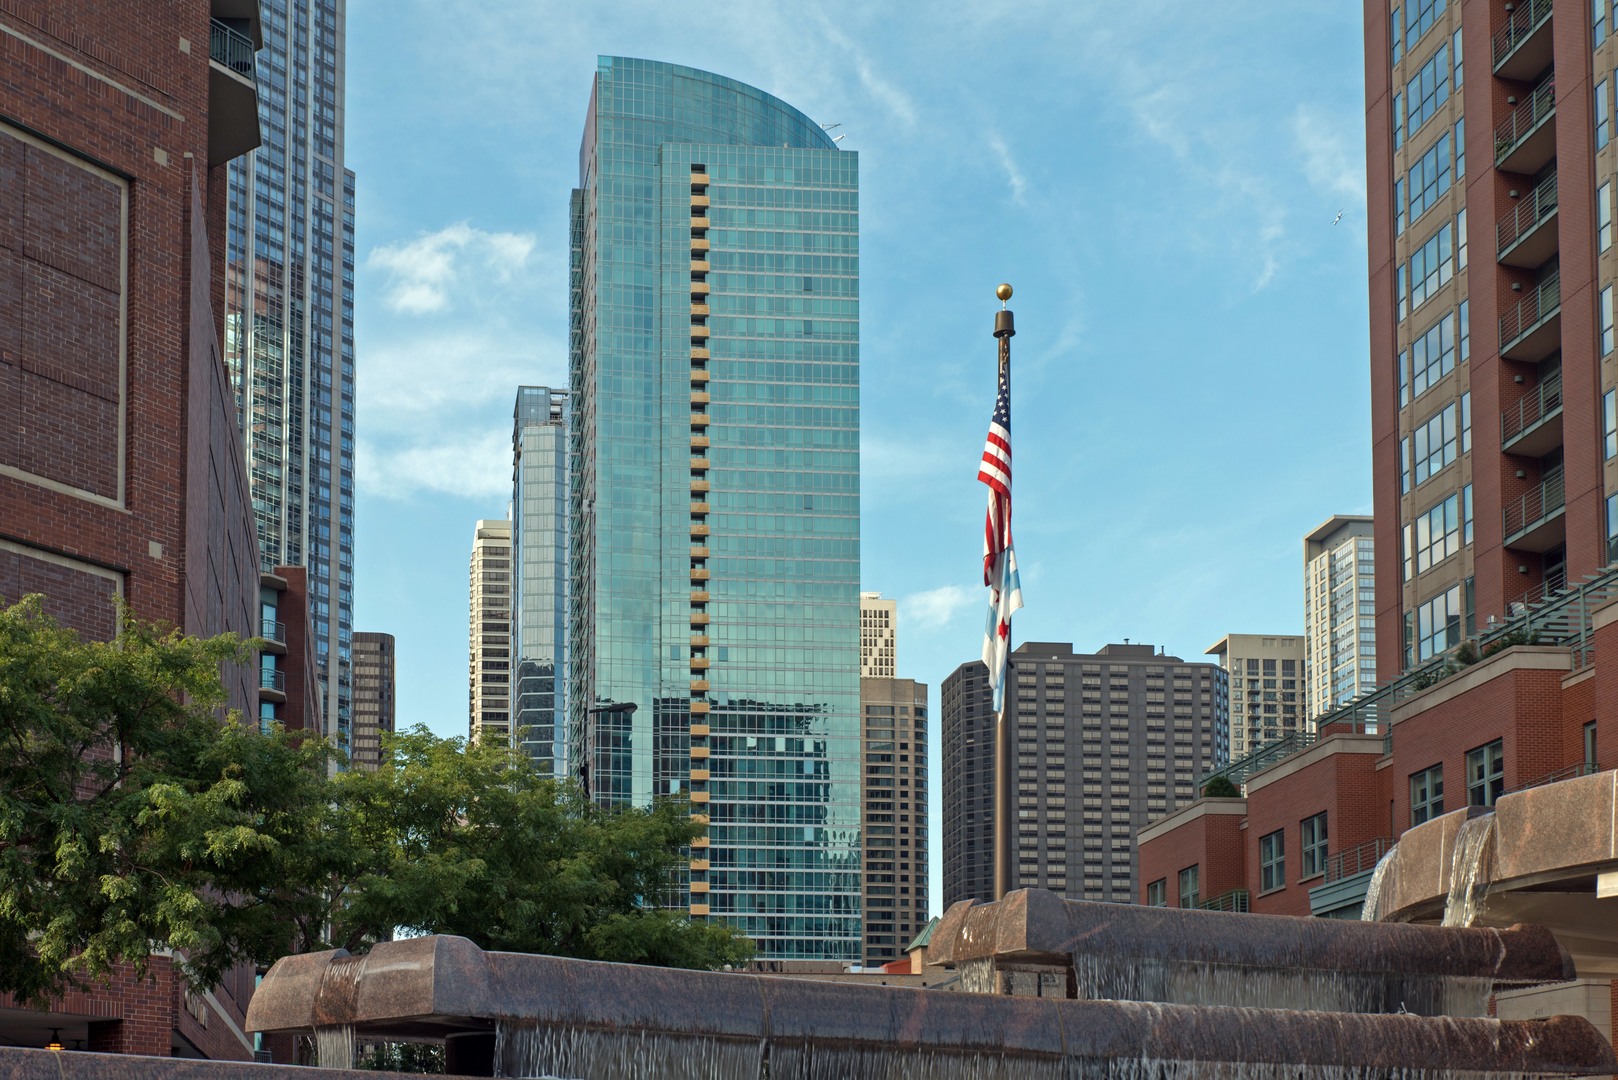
[(489, 633), (289, 322), (715, 491), (1266, 689), (121, 469), (1105, 742), (374, 680), (1339, 612), (539, 576)]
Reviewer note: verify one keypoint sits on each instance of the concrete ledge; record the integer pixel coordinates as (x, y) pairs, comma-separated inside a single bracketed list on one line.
[(1342, 742), (1504, 662), (1187, 814)]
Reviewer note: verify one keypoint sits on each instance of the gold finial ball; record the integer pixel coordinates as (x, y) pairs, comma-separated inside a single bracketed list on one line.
[(1003, 291)]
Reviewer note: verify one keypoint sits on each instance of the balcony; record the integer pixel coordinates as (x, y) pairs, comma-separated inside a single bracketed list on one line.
[(699, 222), (272, 685), (702, 309), (1533, 426), (699, 288), (1532, 330), (699, 179), (699, 375), (1536, 521), (1522, 47), (699, 247), (1526, 141), (699, 332), (700, 487), (699, 753), (699, 442), (1526, 237), (274, 634), (1234, 900), (232, 92), (700, 266), (700, 420), (699, 202), (1357, 859)]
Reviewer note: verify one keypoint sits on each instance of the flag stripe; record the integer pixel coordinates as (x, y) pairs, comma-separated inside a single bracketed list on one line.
[(999, 559)]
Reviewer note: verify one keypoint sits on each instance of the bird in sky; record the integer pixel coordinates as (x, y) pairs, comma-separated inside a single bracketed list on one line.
[(1338, 218)]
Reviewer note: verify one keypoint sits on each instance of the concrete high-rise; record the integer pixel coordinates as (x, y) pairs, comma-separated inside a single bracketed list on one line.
[(715, 551), (1339, 612), (289, 323), (879, 638), (539, 508), (1266, 682), (489, 633), (1106, 742), (894, 828), (374, 684)]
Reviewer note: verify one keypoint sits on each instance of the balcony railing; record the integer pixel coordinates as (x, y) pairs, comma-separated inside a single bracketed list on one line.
[(1532, 408), (1539, 205), (1538, 503), (1520, 27), (271, 630), (272, 679), (1357, 859), (1540, 304), (1234, 900), (1583, 768), (233, 50), (1524, 119)]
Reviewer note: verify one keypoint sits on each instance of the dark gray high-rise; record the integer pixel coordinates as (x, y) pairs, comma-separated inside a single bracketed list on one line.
[(1106, 742)]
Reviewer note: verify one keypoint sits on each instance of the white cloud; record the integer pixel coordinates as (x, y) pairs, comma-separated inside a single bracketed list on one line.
[(1014, 176), (421, 273), (1333, 157), (936, 608), (472, 466)]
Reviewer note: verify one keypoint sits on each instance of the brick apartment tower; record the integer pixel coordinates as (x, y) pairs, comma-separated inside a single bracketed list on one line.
[(489, 608), (893, 826), (373, 697), (121, 468), (1478, 518)]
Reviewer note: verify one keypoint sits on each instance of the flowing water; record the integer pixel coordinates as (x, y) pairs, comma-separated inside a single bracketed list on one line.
[(1471, 867), (1385, 867), (339, 987), (334, 1047)]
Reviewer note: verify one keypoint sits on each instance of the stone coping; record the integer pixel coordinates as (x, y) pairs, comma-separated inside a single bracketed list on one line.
[(1190, 812), (1338, 742), (1516, 658)]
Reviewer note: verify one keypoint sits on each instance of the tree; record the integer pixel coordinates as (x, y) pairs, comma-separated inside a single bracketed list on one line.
[(1220, 787), (135, 815)]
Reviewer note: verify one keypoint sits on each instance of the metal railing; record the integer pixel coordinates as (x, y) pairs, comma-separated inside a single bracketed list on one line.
[(272, 679), (1535, 505), (1539, 205), (230, 48), (271, 630), (1519, 28), (1525, 119), (1583, 768), (1357, 859), (1234, 900), (1544, 301), (1532, 407)]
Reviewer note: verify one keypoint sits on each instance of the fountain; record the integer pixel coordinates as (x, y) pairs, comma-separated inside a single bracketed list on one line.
[(515, 1015)]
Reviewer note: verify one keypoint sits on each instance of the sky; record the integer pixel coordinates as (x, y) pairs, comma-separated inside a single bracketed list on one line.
[(1175, 191)]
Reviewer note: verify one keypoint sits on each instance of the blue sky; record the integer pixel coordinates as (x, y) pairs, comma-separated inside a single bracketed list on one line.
[(1158, 180)]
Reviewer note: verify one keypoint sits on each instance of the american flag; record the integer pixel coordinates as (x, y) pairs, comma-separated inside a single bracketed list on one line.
[(999, 560)]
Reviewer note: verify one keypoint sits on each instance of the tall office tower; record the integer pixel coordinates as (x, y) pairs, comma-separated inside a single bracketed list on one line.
[(966, 784), (121, 472), (715, 550), (289, 324), (1492, 519), (879, 637), (1266, 681), (539, 575), (373, 697), (894, 827), (1339, 612), (1126, 746), (489, 633)]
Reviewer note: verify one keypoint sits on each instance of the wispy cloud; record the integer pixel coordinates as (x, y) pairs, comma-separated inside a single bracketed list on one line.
[(1014, 176), (933, 609), (422, 272), (1332, 155), (475, 466)]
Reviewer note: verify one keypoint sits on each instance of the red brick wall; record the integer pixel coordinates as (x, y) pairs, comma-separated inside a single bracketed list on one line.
[(1212, 842)]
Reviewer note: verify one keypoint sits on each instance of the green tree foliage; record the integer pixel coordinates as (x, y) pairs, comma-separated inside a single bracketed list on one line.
[(134, 818), (1220, 787)]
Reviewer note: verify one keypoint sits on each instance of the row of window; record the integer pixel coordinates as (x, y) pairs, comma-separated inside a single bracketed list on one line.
[(1436, 443), (1431, 265), (1438, 532), (1485, 780), (1429, 178)]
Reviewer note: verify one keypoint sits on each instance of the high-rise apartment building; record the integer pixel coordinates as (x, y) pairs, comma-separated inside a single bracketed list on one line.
[(1491, 517), (1339, 612), (879, 641), (715, 551), (1266, 687), (1106, 742), (489, 633), (289, 323), (374, 683), (539, 510), (893, 732)]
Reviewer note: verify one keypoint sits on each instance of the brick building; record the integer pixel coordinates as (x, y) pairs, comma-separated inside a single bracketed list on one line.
[(121, 468)]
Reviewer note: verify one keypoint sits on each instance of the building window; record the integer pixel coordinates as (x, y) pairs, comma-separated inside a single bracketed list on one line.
[(1485, 774), (1399, 207), (1602, 115), (1428, 90), (1190, 896), (1429, 177), (1598, 21), (1460, 239), (1466, 514), (1437, 536), (1398, 120), (1438, 624), (1432, 265), (1396, 35), (1604, 215), (1423, 13), (1434, 443), (1312, 842), (1426, 794), (1612, 528), (1590, 744), (1432, 356), (1465, 331), (1272, 861), (1466, 422), (1157, 893), (1609, 411)]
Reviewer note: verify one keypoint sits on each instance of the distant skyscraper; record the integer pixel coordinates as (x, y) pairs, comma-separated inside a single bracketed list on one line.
[(289, 323), (1266, 688), (894, 733), (374, 675), (1339, 612), (715, 551), (489, 670), (539, 575), (879, 642), (1106, 743)]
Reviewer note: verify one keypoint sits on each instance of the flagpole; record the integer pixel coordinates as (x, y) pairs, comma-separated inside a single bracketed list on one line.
[(1004, 788)]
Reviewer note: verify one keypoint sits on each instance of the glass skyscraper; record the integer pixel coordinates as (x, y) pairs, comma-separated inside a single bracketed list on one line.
[(289, 324), (539, 575), (715, 491)]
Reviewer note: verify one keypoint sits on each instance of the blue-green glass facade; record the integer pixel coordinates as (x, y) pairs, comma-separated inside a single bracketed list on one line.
[(715, 490), (539, 508)]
